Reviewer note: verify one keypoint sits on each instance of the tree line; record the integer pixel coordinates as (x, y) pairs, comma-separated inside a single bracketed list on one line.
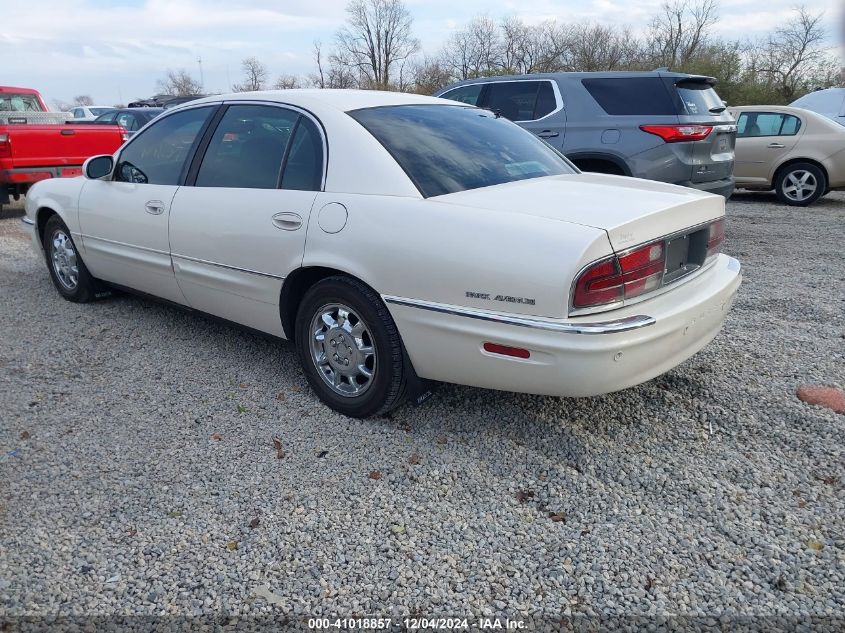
[(376, 49)]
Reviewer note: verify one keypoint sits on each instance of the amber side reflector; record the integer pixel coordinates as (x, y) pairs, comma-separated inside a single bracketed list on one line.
[(506, 350)]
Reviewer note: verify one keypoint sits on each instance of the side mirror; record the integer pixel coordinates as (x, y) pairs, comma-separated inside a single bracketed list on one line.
[(98, 167)]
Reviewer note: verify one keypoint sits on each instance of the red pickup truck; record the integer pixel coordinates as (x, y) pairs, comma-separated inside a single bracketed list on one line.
[(36, 144)]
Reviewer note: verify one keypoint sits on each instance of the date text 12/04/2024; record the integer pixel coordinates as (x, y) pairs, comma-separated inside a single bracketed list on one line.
[(504, 624)]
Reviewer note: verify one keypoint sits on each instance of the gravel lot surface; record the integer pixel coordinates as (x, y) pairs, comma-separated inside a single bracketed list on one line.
[(138, 473)]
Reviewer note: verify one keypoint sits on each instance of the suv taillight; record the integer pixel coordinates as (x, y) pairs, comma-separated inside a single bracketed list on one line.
[(5, 146), (679, 133)]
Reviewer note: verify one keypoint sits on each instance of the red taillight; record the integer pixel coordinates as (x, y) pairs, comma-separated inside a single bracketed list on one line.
[(715, 238), (506, 350), (5, 146), (679, 133), (621, 277)]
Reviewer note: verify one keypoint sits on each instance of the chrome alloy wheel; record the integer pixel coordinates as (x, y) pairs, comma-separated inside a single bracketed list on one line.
[(342, 350), (63, 256), (800, 185)]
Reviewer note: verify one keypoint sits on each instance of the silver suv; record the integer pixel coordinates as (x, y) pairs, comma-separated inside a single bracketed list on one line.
[(658, 125)]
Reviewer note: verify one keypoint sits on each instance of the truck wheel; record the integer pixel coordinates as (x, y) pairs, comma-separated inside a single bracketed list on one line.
[(800, 184), (67, 270), (350, 349)]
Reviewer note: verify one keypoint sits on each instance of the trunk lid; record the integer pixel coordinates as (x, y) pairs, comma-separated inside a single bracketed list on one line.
[(631, 211), (58, 145)]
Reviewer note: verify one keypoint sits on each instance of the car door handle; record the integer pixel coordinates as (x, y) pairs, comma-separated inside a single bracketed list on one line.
[(776, 145), (548, 134), (154, 207), (287, 221)]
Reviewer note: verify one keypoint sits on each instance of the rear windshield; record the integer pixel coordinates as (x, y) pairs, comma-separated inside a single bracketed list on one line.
[(650, 96), (10, 101), (699, 98), (445, 149), (99, 111)]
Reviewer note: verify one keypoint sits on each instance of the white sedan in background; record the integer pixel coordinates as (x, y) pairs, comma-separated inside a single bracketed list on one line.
[(396, 237)]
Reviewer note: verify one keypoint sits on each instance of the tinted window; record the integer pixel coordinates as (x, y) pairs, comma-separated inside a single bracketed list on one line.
[(465, 94), (698, 97), (751, 124), (631, 95), (304, 164), (157, 155), (445, 149), (545, 100), (247, 148), (514, 100)]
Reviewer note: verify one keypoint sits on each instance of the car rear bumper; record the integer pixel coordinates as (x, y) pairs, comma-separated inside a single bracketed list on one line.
[(570, 357), (724, 187)]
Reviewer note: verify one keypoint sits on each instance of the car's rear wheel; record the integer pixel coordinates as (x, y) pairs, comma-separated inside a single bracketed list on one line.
[(350, 348), (800, 184), (67, 270)]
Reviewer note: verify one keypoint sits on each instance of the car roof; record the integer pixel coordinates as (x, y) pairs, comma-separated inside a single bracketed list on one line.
[(604, 74), (318, 98)]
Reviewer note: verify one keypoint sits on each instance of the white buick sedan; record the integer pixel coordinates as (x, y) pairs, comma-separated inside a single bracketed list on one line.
[(396, 238)]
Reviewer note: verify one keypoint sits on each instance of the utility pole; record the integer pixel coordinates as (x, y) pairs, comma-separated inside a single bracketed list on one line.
[(202, 79)]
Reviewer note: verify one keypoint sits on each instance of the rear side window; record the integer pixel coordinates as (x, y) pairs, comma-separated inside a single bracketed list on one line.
[(157, 155), (19, 102), (517, 100), (247, 148), (753, 124), (445, 149), (465, 94), (623, 96), (303, 168)]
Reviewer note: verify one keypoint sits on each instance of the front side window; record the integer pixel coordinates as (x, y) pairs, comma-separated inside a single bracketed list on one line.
[(514, 100), (445, 149), (157, 155), (465, 94), (247, 148)]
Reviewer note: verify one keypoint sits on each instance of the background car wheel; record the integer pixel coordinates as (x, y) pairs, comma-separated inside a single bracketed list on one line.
[(67, 270), (800, 184), (350, 348)]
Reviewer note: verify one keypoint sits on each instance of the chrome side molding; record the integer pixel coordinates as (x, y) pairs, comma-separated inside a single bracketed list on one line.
[(601, 327)]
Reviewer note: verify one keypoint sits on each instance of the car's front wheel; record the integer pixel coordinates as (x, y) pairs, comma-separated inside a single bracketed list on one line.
[(67, 270), (800, 184), (350, 348)]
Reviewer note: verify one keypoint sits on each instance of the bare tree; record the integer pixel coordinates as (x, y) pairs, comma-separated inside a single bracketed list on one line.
[(255, 75), (475, 50), (429, 75), (83, 100), (179, 83), (594, 47), (62, 106), (318, 79), (678, 32), (794, 58), (375, 41), (286, 82)]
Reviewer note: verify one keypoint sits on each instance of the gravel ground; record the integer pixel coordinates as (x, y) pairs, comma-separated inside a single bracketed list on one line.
[(138, 473)]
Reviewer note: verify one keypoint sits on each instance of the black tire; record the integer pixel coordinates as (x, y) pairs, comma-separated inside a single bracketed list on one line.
[(813, 184), (386, 389), (85, 287)]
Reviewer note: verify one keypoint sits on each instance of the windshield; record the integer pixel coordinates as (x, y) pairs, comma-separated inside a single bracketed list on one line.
[(699, 98), (445, 149), (19, 102)]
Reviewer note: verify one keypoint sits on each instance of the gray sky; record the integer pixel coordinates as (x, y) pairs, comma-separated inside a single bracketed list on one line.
[(115, 50)]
